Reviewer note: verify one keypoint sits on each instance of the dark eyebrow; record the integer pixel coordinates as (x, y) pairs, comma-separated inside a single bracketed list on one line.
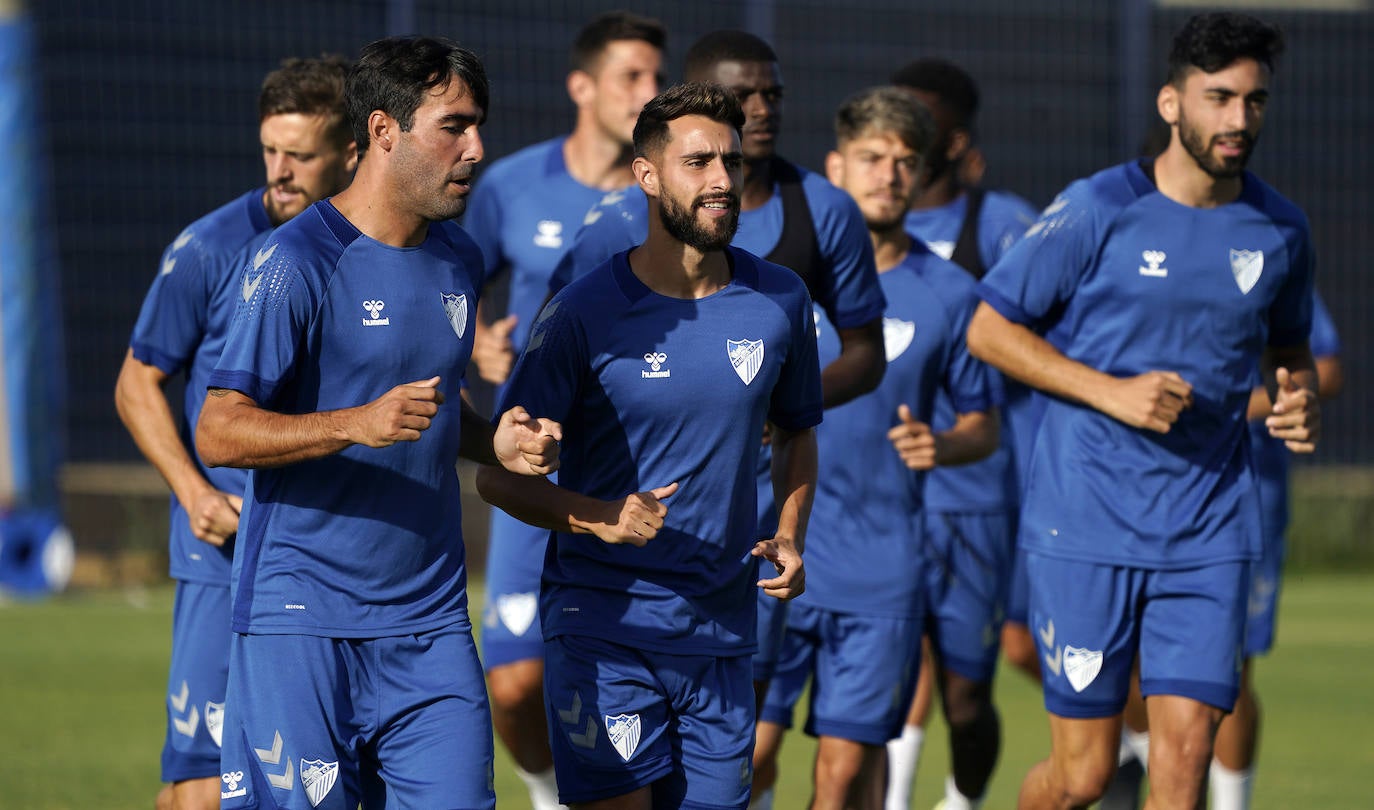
[(458, 118)]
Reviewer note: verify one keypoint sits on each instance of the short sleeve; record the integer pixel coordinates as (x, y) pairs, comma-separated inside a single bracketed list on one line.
[(547, 380), (850, 293), (1325, 340), (1290, 316), (796, 401), (172, 321), (260, 352), (968, 381)]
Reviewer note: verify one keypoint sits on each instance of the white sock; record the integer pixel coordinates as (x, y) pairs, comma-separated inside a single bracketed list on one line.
[(1231, 789), (543, 789), (903, 755), (1139, 742), (763, 800), (954, 800)]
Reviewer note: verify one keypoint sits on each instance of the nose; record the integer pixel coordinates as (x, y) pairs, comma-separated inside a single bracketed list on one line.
[(278, 167), (721, 179), (887, 172), (475, 150), (1239, 115), (645, 90)]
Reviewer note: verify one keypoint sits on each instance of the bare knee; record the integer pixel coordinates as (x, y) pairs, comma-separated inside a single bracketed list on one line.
[(517, 686), (195, 794), (1083, 780)]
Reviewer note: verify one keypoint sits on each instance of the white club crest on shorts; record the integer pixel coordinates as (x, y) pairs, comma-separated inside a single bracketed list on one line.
[(1081, 666), (624, 733), (318, 778), (746, 356), (517, 611), (456, 305), (897, 335), (1246, 266), (214, 722)]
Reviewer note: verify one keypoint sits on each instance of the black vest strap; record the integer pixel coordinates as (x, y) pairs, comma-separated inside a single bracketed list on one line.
[(966, 252), (797, 248)]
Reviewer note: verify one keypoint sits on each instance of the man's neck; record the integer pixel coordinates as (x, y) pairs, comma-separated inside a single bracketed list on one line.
[(597, 161), (1181, 179), (758, 183), (890, 246), (941, 191), (371, 206), (676, 270)]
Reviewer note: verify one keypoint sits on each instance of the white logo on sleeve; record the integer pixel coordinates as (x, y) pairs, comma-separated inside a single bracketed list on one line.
[(1081, 666), (250, 287), (623, 730), (549, 233), (183, 239), (1246, 266), (517, 611), (374, 308), (318, 778), (746, 356), (1154, 258), (169, 263), (897, 335), (655, 369), (456, 306)]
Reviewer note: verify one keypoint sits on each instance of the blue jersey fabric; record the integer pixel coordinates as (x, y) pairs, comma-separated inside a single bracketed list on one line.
[(867, 507), (1132, 282), (182, 327), (990, 485), (651, 390), (366, 542)]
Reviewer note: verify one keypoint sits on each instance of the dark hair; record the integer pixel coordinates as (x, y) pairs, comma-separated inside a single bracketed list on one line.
[(394, 74), (886, 109), (957, 91), (309, 87), (725, 46), (1210, 42), (613, 26), (692, 98)]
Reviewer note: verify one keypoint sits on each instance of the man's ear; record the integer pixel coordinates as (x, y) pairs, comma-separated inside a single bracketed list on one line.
[(646, 174), (581, 88), (834, 168), (382, 130), (1167, 102)]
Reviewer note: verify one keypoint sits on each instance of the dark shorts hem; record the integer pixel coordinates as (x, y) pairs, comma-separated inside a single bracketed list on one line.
[(627, 783)]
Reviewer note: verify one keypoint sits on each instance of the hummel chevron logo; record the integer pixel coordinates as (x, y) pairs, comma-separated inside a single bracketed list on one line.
[(575, 713), (263, 255), (273, 757), (1054, 664), (168, 264), (189, 725), (183, 240), (572, 716), (179, 701), (587, 739), (1047, 634), (250, 287)]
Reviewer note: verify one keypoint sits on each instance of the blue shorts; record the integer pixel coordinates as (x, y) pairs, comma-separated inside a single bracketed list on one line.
[(863, 670), (968, 568), (1266, 574), (196, 682), (1018, 590), (1090, 622), (771, 626), (510, 618), (398, 721), (621, 718)]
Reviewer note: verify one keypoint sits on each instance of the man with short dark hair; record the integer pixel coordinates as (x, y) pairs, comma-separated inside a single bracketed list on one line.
[(353, 672), (308, 151), (1167, 282), (665, 362)]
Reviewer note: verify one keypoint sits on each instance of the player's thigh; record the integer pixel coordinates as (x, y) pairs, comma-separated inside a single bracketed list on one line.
[(795, 665), (434, 743), (510, 618), (196, 682), (865, 668), (967, 581), (1086, 628), (713, 717), (1191, 633)]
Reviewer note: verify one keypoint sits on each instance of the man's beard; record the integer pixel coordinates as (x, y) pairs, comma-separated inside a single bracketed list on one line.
[(681, 222), (1201, 153)]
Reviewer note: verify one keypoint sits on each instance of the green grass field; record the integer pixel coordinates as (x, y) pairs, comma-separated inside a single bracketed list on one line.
[(81, 706)]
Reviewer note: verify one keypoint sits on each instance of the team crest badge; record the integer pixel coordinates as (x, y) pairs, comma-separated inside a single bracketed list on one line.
[(1081, 666), (746, 356), (457, 308), (517, 611), (318, 778), (214, 722), (1246, 266), (624, 733), (897, 335)]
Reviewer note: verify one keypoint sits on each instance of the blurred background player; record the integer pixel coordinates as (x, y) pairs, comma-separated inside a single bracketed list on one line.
[(664, 363), (1189, 264), (855, 634), (971, 510), (308, 150), (523, 215)]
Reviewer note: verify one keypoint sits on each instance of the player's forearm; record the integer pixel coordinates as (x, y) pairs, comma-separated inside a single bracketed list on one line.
[(1330, 376), (144, 410), (859, 368), (537, 501), (794, 482), (972, 437), (477, 434), (235, 432)]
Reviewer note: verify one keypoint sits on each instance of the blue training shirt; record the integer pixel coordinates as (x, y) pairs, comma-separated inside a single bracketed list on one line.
[(864, 547), (1131, 281), (366, 542), (651, 390), (182, 327)]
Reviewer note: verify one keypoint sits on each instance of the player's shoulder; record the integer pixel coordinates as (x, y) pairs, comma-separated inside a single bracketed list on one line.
[(1000, 205), (524, 165), (768, 279), (226, 229), (1268, 200), (821, 194), (621, 207), (1086, 204), (951, 285)]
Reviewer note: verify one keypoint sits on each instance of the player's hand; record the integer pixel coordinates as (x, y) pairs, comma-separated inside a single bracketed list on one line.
[(1297, 415), (399, 415), (214, 516), (527, 445), (635, 519), (914, 441), (1152, 400), (791, 579), (493, 351)]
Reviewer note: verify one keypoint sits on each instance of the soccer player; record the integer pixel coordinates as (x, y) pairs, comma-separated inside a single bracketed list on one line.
[(791, 217), (353, 675), (1167, 282), (971, 517), (856, 633), (663, 363), (523, 214), (308, 151)]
